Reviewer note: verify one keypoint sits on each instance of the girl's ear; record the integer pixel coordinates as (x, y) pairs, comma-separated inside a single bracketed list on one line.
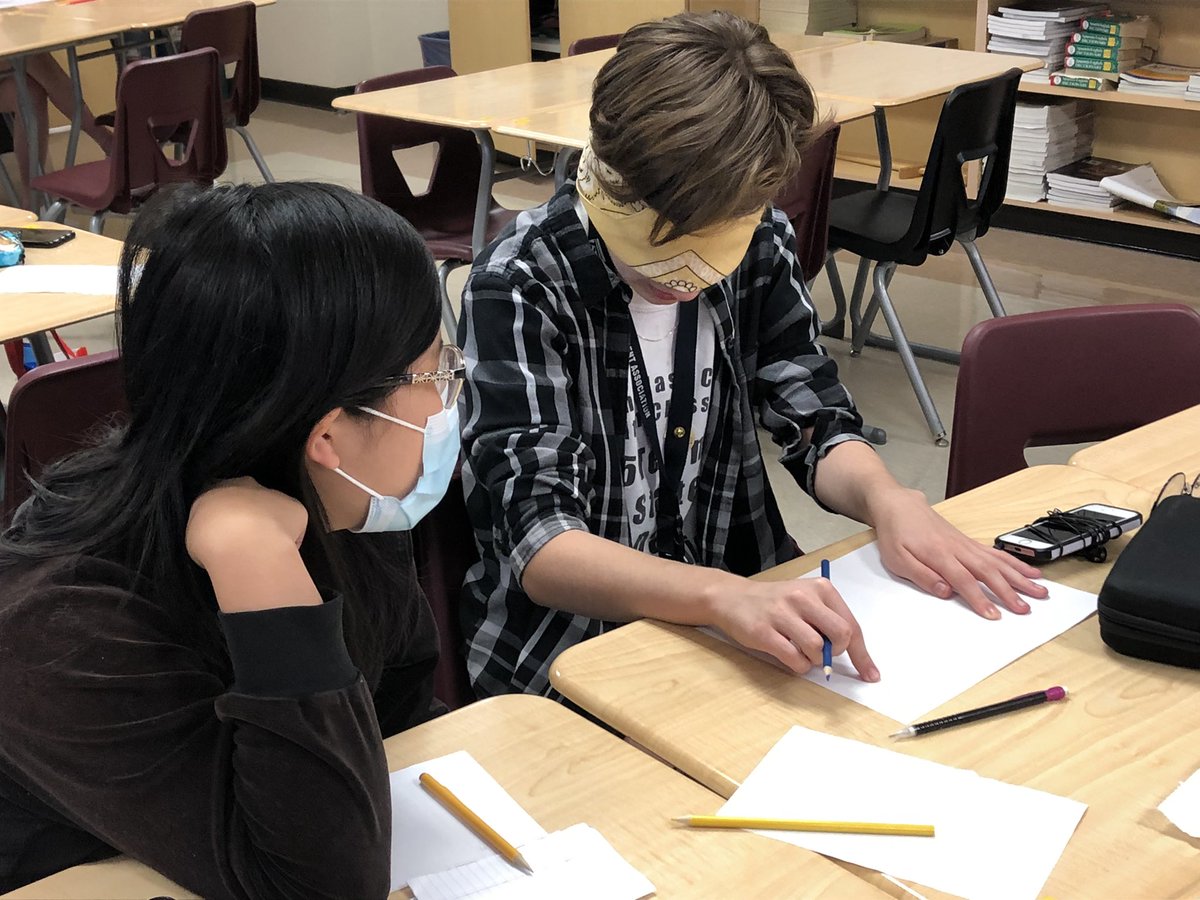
[(320, 447)]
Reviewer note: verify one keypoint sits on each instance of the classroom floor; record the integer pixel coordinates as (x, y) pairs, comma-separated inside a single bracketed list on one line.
[(937, 303)]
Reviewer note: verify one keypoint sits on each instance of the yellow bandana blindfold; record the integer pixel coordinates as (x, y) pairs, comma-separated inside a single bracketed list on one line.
[(688, 263)]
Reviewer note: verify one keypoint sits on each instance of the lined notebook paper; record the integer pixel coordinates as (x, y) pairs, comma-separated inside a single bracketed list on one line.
[(576, 862), (994, 841)]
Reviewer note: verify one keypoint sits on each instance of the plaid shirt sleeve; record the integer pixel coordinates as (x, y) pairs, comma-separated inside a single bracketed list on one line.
[(520, 430), (796, 383)]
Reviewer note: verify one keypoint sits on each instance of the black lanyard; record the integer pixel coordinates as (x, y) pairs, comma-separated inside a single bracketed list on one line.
[(670, 456)]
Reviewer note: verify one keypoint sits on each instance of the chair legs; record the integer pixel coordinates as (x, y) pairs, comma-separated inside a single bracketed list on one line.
[(835, 327), (55, 212), (983, 276), (254, 152), (96, 223), (449, 319)]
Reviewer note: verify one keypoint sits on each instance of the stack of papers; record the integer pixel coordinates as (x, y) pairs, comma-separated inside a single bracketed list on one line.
[(993, 840), (439, 857), (1143, 187), (1038, 28), (1159, 80), (1078, 185), (1046, 136), (1193, 88), (807, 16)]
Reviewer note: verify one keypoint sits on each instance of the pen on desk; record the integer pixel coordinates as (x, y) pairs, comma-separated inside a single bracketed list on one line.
[(894, 828), (983, 712), (827, 646), (481, 829)]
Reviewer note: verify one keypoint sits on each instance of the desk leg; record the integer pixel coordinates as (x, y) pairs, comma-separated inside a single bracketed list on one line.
[(483, 201), (76, 108), (25, 111), (41, 348)]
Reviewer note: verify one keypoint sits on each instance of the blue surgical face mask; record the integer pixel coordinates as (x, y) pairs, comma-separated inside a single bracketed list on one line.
[(438, 458)]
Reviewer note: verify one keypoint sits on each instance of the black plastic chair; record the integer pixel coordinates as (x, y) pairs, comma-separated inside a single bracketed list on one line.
[(895, 228)]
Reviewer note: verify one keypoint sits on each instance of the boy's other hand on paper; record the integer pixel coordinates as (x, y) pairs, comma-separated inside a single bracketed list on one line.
[(917, 544)]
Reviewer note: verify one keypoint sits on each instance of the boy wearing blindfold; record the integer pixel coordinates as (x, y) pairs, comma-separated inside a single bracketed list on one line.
[(622, 343)]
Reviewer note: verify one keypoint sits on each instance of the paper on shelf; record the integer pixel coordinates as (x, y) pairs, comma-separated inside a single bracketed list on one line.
[(1183, 806), (427, 838), (576, 862), (1143, 187), (38, 279), (993, 840), (929, 650)]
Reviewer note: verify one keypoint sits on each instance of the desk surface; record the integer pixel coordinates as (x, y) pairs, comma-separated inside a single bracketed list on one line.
[(11, 215), (886, 74), (563, 770), (568, 125), (27, 29), (22, 314), (1146, 457), (1121, 743)]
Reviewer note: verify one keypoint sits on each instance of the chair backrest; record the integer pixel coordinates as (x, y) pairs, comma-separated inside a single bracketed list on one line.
[(52, 412), (448, 204), (976, 123), (1066, 376), (176, 95), (806, 200), (233, 32), (443, 549), (592, 44)]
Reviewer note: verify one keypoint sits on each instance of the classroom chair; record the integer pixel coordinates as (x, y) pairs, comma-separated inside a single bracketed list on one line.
[(592, 44), (172, 100), (894, 228), (1066, 376), (444, 214), (6, 146), (53, 411), (443, 550)]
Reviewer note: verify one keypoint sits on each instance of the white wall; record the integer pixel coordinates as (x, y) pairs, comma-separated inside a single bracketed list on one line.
[(336, 43)]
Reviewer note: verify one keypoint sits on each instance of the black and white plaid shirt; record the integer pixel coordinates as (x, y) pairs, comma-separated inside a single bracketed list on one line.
[(545, 331)]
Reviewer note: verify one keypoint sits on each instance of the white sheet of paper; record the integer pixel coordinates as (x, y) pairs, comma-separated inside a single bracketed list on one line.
[(576, 862), (98, 280), (928, 650), (427, 838), (1183, 806), (994, 841)]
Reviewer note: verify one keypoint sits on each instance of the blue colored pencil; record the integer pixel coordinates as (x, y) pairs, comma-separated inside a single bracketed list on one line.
[(827, 647)]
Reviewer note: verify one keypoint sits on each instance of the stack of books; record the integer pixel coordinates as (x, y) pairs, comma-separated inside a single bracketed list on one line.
[(1102, 48), (1159, 80), (1046, 137), (898, 34), (1193, 89), (807, 16), (1078, 185), (1038, 28)]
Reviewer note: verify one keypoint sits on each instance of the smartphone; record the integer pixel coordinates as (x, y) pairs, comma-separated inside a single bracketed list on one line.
[(1046, 542), (39, 238)]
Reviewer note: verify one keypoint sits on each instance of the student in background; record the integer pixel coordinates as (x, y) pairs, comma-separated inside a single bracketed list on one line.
[(199, 655), (579, 456), (47, 81)]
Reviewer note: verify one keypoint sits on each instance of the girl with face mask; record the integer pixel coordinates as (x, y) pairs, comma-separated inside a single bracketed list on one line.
[(210, 618)]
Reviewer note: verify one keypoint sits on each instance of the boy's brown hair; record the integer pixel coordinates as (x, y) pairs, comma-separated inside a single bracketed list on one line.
[(703, 117)]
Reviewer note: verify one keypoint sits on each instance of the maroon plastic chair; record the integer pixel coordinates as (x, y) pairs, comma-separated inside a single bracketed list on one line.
[(592, 44), (443, 549), (1066, 376), (233, 32), (445, 214), (178, 96), (806, 200), (53, 411)]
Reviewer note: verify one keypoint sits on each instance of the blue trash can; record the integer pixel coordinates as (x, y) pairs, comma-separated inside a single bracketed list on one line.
[(435, 48)]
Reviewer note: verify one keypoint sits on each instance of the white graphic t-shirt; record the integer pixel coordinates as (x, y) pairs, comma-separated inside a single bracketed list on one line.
[(656, 325)]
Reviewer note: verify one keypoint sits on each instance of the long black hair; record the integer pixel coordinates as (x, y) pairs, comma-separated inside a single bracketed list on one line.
[(245, 314)]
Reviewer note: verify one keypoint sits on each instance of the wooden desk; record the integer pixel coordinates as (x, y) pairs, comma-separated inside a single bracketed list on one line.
[(32, 314), (11, 215), (1146, 457), (563, 770), (1120, 744)]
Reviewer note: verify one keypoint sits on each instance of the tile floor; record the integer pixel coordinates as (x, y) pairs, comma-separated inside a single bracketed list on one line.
[(938, 302)]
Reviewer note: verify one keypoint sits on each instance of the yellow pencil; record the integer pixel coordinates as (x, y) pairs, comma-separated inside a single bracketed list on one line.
[(482, 829), (799, 825)]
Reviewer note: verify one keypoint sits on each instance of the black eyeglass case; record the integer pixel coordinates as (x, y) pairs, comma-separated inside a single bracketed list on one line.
[(1149, 606)]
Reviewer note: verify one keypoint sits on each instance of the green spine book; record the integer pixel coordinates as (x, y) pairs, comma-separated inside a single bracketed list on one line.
[(1080, 82), (1095, 39), (1093, 65), (1086, 51)]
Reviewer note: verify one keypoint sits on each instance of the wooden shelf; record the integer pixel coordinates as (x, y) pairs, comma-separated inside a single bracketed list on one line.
[(1127, 97), (1129, 215)]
